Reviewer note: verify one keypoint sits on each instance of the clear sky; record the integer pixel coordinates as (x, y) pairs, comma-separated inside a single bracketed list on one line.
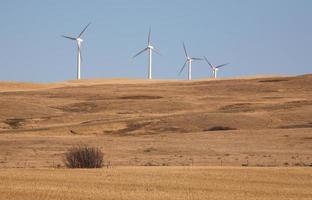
[(254, 36)]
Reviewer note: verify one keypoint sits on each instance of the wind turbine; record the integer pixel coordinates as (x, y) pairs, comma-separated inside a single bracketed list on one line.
[(79, 40), (150, 49), (214, 68), (189, 62)]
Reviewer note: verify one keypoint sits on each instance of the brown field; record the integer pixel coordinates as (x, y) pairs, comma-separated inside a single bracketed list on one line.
[(132, 183), (262, 123), (232, 122)]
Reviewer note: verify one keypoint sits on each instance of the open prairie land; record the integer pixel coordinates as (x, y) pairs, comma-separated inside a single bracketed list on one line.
[(132, 183), (257, 129), (231, 122)]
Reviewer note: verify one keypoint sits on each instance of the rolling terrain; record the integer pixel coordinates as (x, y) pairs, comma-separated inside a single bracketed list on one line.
[(230, 122)]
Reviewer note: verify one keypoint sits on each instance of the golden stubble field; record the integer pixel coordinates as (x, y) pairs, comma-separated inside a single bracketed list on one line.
[(161, 139), (131, 183)]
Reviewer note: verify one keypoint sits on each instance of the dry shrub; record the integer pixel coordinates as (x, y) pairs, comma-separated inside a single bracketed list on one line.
[(83, 156)]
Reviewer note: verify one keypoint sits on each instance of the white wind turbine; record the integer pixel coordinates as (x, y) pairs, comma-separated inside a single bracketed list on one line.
[(150, 49), (214, 68), (79, 40), (189, 62)]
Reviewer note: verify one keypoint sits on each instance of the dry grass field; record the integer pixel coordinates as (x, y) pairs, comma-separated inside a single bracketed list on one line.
[(180, 183), (183, 130), (231, 122)]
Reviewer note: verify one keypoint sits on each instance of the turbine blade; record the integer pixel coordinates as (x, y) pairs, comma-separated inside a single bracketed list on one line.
[(185, 50), (183, 67), (222, 65), (84, 30), (196, 58), (149, 36), (139, 53), (156, 51), (71, 38), (208, 62)]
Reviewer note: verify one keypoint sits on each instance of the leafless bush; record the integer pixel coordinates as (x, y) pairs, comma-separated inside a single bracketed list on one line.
[(83, 156)]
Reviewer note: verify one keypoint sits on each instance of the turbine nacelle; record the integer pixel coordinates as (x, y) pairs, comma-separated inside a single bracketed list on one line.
[(79, 40), (150, 47)]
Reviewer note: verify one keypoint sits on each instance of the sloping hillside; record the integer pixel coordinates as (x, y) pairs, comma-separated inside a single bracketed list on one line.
[(261, 121)]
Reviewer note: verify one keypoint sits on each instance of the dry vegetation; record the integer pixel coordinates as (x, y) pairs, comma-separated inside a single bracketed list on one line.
[(132, 183), (83, 156), (237, 122)]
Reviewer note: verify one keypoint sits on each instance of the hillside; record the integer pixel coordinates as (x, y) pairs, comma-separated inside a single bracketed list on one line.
[(251, 121)]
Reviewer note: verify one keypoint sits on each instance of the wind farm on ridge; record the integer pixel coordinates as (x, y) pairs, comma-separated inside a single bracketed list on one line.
[(149, 49), (193, 126)]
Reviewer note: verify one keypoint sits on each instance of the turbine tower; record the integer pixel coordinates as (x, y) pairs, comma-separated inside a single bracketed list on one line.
[(214, 68), (150, 50), (79, 40), (188, 61)]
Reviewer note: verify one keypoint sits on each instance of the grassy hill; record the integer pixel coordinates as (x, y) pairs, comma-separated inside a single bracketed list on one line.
[(233, 122)]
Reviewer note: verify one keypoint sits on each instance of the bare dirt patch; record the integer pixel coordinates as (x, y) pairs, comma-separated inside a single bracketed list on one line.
[(273, 80), (238, 107), (79, 107), (143, 97), (220, 128), (15, 123), (131, 127), (307, 125)]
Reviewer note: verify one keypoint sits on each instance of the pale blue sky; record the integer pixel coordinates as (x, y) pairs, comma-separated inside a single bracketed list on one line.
[(254, 36)]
